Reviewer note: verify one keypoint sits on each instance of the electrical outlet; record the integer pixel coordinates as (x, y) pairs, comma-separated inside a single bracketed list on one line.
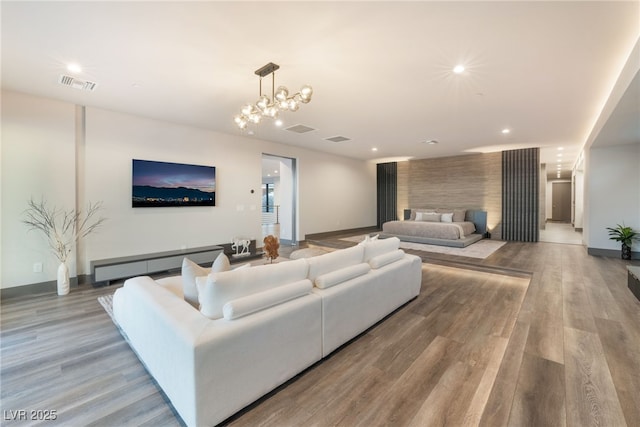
[(37, 267)]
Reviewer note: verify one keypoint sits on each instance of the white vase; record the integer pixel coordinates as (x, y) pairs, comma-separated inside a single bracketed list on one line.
[(63, 279)]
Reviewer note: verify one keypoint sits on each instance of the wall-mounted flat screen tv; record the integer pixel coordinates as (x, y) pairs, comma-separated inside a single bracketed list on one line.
[(158, 184)]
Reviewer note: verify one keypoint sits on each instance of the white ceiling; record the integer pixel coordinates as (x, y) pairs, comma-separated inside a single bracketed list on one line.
[(381, 71)]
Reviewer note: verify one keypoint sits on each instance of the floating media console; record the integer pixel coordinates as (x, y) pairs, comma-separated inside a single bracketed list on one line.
[(106, 270)]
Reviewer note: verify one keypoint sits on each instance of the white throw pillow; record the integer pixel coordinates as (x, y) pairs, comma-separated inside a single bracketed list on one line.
[(446, 217), (368, 238), (221, 263), (191, 270)]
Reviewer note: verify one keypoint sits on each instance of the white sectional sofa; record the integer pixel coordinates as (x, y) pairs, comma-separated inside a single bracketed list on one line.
[(257, 327)]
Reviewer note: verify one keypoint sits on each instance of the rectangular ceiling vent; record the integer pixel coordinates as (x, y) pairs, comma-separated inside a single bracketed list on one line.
[(338, 139), (299, 129), (77, 83)]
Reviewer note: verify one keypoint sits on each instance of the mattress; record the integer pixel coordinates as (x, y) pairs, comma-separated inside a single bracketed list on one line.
[(436, 230)]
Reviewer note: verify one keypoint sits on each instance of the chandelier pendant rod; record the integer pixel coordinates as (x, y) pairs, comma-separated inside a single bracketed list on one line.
[(273, 86)]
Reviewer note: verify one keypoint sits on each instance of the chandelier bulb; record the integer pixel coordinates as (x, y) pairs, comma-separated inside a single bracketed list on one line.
[(282, 93), (293, 104), (241, 121), (305, 93), (263, 103)]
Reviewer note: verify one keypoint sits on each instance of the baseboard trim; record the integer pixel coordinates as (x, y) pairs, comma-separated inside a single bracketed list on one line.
[(329, 234), (47, 287), (610, 253)]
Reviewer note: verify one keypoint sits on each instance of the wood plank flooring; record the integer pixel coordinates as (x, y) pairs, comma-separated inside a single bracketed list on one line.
[(538, 334)]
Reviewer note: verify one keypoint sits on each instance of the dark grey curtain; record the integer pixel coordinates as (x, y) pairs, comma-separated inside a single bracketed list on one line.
[(520, 194), (387, 183)]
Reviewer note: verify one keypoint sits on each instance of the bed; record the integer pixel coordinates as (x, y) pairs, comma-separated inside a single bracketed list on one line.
[(446, 227)]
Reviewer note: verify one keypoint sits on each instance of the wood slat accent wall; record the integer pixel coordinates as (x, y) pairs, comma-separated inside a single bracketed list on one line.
[(472, 181), (520, 194), (403, 188), (387, 192)]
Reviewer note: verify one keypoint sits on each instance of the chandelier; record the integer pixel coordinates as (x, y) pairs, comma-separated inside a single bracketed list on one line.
[(270, 107)]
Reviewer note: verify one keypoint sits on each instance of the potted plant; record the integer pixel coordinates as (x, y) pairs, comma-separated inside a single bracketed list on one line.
[(625, 235), (62, 228)]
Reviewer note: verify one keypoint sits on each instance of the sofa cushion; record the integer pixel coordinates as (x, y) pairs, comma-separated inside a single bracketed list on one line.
[(253, 303), (373, 249), (191, 270), (386, 258), (215, 290), (333, 261), (336, 277)]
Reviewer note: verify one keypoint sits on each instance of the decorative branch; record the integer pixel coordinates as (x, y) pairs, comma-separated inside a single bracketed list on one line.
[(62, 228)]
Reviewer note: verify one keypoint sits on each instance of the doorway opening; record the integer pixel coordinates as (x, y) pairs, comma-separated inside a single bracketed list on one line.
[(279, 198)]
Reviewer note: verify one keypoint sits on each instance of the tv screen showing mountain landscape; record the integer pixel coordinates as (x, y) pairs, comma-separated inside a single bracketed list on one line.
[(157, 184)]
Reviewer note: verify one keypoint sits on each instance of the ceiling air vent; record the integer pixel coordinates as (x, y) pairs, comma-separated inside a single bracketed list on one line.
[(299, 129), (338, 139), (77, 83)]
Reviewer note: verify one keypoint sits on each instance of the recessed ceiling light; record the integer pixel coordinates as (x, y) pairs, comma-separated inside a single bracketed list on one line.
[(506, 131), (431, 142), (559, 154), (374, 149), (74, 68), (278, 122), (560, 148), (275, 171), (458, 69)]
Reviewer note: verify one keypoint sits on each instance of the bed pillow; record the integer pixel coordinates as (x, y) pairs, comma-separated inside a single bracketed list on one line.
[(459, 215), (430, 217), (414, 212), (446, 217)]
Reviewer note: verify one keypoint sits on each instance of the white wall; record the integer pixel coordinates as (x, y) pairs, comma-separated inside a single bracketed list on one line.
[(38, 151), (38, 157), (613, 193)]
